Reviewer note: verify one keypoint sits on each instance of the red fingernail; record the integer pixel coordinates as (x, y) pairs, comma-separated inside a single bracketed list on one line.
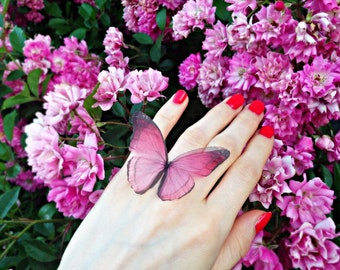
[(262, 221), (267, 131), (257, 107), (179, 97), (235, 101)]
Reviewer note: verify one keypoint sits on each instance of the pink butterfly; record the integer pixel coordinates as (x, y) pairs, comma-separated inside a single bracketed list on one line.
[(149, 162)]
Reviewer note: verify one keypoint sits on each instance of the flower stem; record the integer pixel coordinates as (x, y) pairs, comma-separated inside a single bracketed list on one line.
[(20, 234)]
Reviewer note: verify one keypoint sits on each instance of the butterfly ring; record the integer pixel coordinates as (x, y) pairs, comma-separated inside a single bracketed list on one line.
[(149, 163)]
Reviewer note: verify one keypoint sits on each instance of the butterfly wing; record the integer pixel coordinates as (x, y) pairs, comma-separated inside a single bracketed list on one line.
[(179, 177), (149, 154)]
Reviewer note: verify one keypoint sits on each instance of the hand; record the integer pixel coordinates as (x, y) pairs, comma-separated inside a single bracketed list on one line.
[(201, 230)]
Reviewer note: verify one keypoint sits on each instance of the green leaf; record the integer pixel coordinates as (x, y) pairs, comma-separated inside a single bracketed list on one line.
[(136, 108), (4, 90), (143, 38), (2, 22), (337, 179), (9, 123), (47, 211), (7, 200), (327, 176), (79, 33), (16, 100), (53, 9), (100, 3), (118, 110), (96, 113), (13, 171), (166, 65), (156, 50), (15, 74), (39, 251), (21, 98), (10, 262), (161, 18), (33, 79), (60, 25), (17, 38), (44, 84), (2, 168), (86, 11), (221, 10), (105, 19), (6, 153)]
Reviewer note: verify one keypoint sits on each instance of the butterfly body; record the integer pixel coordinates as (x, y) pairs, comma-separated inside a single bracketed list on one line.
[(149, 163)]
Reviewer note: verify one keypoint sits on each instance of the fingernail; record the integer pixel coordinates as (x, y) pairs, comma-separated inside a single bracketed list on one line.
[(257, 107), (262, 221), (267, 131), (179, 97), (235, 101)]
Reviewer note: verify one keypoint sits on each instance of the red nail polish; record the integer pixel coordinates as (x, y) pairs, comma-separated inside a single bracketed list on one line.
[(257, 107), (262, 221), (267, 131), (235, 101), (179, 97)]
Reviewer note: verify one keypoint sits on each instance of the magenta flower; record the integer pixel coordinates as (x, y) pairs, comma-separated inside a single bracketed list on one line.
[(82, 165), (310, 202), (33, 4), (171, 4), (318, 79), (113, 40), (260, 256), (215, 40), (113, 43), (310, 246), (325, 143), (194, 14), (189, 71), (273, 72), (211, 80), (140, 16), (38, 48), (241, 75), (145, 85), (241, 6), (111, 82), (82, 123), (335, 155), (272, 183), (239, 33), (285, 120), (303, 154), (321, 5), (70, 200), (74, 65), (62, 101), (27, 181), (274, 27), (43, 150), (34, 16)]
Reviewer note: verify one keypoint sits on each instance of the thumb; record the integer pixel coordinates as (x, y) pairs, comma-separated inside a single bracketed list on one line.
[(240, 238)]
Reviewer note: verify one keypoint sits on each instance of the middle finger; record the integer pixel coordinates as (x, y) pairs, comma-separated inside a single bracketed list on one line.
[(201, 133)]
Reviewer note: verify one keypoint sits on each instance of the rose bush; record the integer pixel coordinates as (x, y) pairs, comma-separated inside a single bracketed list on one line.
[(73, 72)]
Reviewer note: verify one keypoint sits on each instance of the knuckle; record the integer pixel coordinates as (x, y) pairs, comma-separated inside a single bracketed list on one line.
[(249, 170), (194, 136), (164, 117), (229, 141)]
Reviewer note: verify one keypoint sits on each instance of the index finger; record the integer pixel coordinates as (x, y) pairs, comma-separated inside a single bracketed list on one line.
[(170, 112)]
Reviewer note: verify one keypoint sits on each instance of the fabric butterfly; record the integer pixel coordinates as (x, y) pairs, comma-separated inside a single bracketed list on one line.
[(149, 163)]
